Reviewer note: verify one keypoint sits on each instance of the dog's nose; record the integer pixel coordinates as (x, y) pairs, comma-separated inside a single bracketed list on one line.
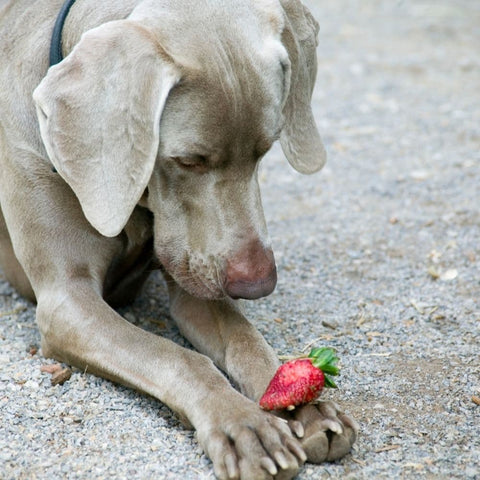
[(251, 273)]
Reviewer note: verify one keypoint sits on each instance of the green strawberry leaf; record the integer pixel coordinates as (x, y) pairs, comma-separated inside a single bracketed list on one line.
[(326, 360), (330, 370), (329, 382)]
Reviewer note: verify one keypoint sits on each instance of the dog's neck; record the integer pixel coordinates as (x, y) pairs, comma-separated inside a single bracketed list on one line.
[(85, 15)]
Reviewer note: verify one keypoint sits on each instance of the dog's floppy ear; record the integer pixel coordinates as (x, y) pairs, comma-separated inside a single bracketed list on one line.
[(300, 140), (99, 112)]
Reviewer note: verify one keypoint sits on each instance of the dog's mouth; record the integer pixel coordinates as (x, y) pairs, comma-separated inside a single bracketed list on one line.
[(198, 277)]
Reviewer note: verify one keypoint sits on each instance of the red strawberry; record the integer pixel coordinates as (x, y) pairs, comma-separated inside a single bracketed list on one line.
[(301, 380)]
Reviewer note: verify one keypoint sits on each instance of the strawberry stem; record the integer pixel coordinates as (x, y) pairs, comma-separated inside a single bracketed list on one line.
[(326, 360)]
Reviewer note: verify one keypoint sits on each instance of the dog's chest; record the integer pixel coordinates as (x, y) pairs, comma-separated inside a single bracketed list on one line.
[(131, 266)]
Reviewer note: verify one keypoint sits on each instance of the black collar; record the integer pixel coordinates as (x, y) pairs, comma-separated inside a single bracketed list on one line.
[(56, 42)]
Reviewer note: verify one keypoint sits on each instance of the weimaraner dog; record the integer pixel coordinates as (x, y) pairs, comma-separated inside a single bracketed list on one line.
[(140, 149)]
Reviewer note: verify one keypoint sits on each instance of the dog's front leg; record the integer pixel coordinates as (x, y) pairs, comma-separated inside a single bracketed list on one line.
[(243, 442), (221, 331)]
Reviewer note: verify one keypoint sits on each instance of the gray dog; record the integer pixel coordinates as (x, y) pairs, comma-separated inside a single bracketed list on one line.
[(141, 148)]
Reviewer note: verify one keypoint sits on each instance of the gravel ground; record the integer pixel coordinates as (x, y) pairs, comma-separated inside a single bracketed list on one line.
[(378, 256)]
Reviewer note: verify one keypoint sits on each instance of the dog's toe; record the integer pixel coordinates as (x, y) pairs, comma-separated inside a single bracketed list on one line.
[(250, 444), (328, 433)]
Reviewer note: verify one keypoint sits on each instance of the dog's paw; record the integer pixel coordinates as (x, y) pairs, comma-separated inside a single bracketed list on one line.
[(326, 433), (247, 443)]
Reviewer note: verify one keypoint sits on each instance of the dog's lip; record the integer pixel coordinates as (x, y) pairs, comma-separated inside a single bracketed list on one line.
[(195, 285)]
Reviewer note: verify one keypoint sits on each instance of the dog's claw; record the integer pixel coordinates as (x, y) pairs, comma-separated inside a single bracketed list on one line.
[(269, 465), (231, 466), (297, 428)]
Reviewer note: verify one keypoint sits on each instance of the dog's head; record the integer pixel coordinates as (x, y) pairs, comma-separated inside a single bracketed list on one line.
[(174, 110)]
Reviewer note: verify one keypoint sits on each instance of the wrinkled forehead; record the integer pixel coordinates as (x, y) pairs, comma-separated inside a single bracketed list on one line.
[(230, 101), (233, 67)]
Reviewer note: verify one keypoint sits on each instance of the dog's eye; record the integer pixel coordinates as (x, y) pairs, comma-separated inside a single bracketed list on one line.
[(195, 163)]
